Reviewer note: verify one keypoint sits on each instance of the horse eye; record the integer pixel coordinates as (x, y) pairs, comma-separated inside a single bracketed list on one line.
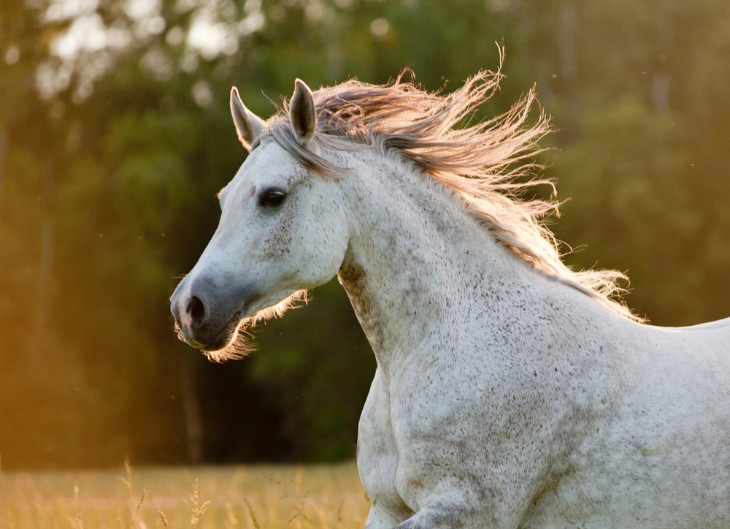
[(272, 198)]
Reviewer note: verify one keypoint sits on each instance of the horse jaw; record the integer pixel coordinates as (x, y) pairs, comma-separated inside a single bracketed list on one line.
[(239, 346)]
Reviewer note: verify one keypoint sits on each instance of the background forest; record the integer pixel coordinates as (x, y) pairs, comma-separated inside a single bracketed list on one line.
[(115, 136)]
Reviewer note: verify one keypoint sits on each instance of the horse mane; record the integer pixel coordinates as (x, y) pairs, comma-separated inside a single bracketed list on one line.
[(488, 164)]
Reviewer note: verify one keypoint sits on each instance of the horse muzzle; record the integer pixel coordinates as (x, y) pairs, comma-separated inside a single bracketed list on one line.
[(208, 312)]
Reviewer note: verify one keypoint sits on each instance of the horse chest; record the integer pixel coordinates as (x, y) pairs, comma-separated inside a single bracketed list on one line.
[(377, 453), (386, 451), (415, 436)]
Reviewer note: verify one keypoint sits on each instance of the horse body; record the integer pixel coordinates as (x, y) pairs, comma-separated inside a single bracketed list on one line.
[(489, 370), (659, 459), (505, 396)]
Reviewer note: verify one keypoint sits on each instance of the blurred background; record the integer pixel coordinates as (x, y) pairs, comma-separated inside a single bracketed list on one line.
[(115, 135)]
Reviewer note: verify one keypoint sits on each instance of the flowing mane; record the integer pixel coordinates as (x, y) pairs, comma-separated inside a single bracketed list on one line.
[(488, 164)]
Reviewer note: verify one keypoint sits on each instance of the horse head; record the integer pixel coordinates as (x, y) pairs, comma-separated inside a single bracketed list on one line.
[(282, 230)]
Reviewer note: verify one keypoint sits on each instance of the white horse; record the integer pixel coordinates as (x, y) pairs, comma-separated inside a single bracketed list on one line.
[(510, 391)]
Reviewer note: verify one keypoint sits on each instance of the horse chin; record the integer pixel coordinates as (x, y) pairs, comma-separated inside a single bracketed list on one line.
[(231, 342)]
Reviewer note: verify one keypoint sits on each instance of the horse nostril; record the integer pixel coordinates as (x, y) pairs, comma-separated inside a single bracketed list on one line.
[(196, 309)]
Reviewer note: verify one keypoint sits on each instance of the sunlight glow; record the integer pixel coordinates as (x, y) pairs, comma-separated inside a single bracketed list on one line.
[(89, 47), (66, 9), (87, 33)]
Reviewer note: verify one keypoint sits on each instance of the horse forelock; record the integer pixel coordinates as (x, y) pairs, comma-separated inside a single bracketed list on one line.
[(489, 164)]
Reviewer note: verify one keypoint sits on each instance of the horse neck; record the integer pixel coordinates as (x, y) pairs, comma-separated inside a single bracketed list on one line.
[(413, 255)]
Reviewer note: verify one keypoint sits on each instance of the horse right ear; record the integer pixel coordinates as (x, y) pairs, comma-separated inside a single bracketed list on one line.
[(248, 125), (301, 111)]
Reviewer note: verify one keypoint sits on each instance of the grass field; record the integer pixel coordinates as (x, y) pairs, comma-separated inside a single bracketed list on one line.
[(244, 497)]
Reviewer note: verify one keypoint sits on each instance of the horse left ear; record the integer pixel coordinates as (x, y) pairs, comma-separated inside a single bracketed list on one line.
[(301, 111)]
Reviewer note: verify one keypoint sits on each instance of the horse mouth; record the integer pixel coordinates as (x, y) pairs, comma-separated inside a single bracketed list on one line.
[(227, 334), (227, 341), (230, 343), (223, 339)]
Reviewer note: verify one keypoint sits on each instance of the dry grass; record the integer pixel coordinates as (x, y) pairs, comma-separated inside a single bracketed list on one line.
[(244, 497)]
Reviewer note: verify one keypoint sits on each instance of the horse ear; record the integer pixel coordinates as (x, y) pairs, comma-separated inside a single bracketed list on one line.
[(301, 111), (248, 125)]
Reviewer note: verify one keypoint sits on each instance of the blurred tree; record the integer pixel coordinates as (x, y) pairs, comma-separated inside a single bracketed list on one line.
[(634, 147)]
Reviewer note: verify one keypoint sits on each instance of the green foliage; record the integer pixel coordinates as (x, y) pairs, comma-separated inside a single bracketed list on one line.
[(616, 175), (321, 366), (110, 157)]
